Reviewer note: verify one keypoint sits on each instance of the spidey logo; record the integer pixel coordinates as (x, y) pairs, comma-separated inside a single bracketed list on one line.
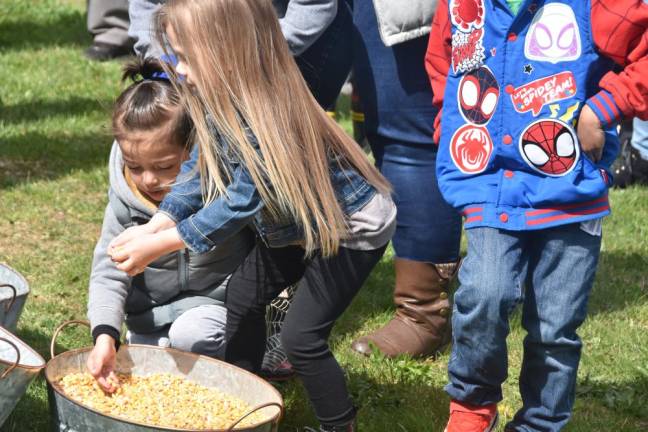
[(478, 96), (550, 147), (467, 14), (471, 148)]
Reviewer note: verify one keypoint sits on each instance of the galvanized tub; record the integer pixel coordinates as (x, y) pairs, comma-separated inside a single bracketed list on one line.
[(69, 416), (19, 364), (13, 295)]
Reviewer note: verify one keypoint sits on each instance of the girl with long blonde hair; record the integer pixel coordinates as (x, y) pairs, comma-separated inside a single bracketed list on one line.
[(268, 158)]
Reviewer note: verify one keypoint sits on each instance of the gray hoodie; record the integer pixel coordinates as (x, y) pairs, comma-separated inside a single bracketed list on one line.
[(170, 285), (302, 23)]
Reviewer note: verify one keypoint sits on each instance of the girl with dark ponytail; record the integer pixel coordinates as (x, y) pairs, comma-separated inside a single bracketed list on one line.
[(178, 301)]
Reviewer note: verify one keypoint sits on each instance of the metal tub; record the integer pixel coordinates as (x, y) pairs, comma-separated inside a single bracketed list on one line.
[(69, 416), (13, 295), (19, 364)]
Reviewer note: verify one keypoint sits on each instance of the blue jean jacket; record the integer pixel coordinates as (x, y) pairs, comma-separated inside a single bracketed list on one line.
[(203, 227)]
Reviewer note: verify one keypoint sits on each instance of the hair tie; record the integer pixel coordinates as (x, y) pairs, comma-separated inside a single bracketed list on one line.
[(170, 60)]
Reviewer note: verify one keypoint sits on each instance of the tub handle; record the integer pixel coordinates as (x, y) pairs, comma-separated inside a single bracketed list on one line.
[(257, 408), (13, 296), (58, 331), (16, 362)]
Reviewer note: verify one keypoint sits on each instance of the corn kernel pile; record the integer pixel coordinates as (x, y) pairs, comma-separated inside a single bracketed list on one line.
[(160, 400)]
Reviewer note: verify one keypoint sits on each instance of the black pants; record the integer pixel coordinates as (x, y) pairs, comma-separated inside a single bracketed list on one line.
[(326, 288)]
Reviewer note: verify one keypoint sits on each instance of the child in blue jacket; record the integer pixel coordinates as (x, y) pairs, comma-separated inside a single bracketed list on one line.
[(532, 96)]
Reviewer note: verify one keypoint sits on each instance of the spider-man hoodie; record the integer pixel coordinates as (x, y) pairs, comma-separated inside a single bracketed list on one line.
[(511, 88)]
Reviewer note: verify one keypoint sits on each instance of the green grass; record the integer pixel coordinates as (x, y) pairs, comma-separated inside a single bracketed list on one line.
[(54, 145)]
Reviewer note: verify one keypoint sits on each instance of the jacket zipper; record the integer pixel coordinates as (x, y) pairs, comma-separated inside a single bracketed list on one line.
[(182, 268)]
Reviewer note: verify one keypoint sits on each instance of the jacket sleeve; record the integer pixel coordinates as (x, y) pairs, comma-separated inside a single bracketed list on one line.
[(225, 216), (305, 21), (185, 197), (619, 31), (141, 14), (438, 59), (109, 286)]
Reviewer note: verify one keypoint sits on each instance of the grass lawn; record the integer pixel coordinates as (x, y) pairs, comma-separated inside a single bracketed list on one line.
[(54, 141)]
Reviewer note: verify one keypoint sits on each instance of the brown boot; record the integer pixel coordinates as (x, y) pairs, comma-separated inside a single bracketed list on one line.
[(420, 327)]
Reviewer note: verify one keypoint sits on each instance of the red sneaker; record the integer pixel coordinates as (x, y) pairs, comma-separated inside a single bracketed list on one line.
[(471, 418)]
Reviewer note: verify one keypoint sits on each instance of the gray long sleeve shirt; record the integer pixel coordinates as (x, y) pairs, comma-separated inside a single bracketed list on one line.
[(302, 23)]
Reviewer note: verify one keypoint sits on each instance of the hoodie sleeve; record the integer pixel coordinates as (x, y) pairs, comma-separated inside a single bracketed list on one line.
[(141, 14), (619, 31), (109, 286), (438, 59), (305, 21)]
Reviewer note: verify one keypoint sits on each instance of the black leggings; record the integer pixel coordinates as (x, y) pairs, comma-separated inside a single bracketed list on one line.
[(326, 288)]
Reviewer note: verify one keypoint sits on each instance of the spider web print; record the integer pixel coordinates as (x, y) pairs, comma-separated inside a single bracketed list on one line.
[(275, 315)]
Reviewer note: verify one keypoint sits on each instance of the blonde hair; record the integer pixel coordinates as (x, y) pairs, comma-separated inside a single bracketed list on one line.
[(245, 77)]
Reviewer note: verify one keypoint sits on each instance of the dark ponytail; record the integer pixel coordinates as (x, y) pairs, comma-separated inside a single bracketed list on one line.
[(150, 103)]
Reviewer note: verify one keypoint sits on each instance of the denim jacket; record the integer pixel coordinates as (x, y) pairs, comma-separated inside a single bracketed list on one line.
[(203, 227)]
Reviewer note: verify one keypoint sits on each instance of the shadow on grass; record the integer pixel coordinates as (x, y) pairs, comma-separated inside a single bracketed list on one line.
[(621, 280), (36, 156), (38, 109), (627, 398), (385, 403), (65, 27), (32, 412)]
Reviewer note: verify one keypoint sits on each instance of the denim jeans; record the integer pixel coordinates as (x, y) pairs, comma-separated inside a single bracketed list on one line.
[(640, 137), (550, 273), (396, 99), (394, 88), (427, 228)]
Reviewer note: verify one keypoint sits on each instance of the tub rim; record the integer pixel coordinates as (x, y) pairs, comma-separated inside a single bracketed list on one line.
[(274, 420), (28, 348)]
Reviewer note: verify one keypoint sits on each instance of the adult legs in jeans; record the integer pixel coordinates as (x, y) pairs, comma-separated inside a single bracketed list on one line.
[(557, 266), (395, 95), (638, 157), (561, 275), (325, 291)]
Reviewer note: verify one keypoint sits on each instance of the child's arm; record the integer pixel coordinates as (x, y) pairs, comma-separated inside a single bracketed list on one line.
[(202, 231), (619, 31), (107, 296), (438, 59), (184, 199)]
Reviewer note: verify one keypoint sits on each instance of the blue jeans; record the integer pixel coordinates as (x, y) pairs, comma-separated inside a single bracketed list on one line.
[(397, 101), (550, 273), (392, 83), (427, 228), (640, 137)]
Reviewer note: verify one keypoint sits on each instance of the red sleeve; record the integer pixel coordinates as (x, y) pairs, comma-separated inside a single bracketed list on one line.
[(438, 58), (619, 31)]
